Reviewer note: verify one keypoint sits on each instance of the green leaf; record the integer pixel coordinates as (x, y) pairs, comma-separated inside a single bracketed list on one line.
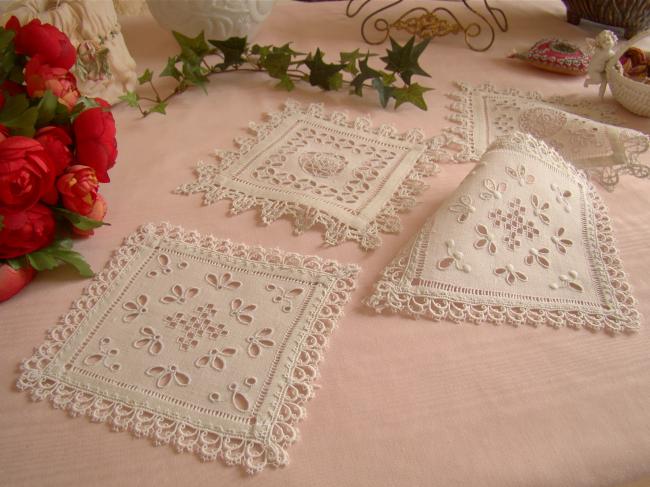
[(159, 108), (366, 73), (7, 54), (320, 73), (47, 108), (131, 98), (385, 91), (232, 49), (193, 49), (276, 63), (286, 83), (19, 116), (17, 263), (403, 60), (349, 60), (145, 77), (411, 94), (336, 81), (171, 69), (79, 221), (59, 253)]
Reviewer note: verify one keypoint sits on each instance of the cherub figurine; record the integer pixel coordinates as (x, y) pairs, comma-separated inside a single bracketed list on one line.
[(603, 47)]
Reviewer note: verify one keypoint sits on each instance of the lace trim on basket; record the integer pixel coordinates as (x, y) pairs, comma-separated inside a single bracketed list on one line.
[(460, 138), (303, 216), (390, 295), (253, 455)]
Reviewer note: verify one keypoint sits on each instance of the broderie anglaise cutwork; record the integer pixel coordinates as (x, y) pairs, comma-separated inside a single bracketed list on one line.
[(561, 267), (201, 374), (322, 169)]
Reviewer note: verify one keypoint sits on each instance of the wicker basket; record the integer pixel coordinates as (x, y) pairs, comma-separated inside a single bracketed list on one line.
[(633, 95), (631, 15)]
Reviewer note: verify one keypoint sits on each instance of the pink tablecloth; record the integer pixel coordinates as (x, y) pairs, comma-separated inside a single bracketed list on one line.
[(403, 402)]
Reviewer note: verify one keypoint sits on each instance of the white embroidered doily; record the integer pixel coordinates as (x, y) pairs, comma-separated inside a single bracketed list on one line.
[(525, 239), (201, 343), (484, 113), (323, 169)]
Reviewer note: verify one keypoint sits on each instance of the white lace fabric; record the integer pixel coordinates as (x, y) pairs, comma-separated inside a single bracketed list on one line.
[(201, 343), (321, 169), (484, 113), (525, 239)]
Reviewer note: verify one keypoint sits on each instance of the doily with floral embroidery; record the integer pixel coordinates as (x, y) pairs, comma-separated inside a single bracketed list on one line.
[(581, 131), (525, 239), (322, 169), (197, 342)]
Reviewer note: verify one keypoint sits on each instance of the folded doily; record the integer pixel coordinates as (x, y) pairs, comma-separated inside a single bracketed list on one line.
[(525, 239), (198, 342), (606, 151), (321, 169)]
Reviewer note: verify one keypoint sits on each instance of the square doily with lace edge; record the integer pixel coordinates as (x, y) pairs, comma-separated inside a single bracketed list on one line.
[(322, 169), (197, 342)]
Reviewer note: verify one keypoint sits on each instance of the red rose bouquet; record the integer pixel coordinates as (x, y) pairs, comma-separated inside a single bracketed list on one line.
[(56, 147)]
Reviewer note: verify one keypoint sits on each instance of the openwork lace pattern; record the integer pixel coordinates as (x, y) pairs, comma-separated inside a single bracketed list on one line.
[(144, 374), (584, 133), (322, 169), (563, 275)]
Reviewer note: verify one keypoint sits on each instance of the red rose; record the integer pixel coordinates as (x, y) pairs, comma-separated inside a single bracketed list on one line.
[(26, 174), (97, 213), (41, 77), (12, 87), (94, 131), (45, 40), (13, 280), (56, 143), (78, 187), (26, 231)]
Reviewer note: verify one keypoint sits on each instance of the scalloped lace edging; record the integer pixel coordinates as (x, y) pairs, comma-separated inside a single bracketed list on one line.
[(181, 433), (304, 216)]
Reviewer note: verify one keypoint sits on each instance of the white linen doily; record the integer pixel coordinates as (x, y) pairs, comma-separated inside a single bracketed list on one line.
[(323, 169), (606, 151), (525, 239), (198, 342)]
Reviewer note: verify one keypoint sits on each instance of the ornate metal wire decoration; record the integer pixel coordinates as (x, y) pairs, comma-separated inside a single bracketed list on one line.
[(426, 24)]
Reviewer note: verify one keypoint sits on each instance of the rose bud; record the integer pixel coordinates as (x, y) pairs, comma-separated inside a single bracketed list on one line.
[(26, 174), (94, 131), (13, 280), (78, 188), (46, 41), (97, 213), (41, 77), (26, 231), (56, 143)]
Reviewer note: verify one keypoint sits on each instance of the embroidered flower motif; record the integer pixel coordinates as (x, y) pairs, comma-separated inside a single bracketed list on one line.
[(214, 397), (464, 207), (510, 274), (104, 356), (561, 243), (164, 266), (322, 164), (562, 197), (150, 339), (224, 282), (135, 308), (539, 209), (215, 358), (238, 398), (570, 281), (520, 175), (201, 323), (180, 295), (166, 375), (493, 190), (455, 258), (538, 255), (241, 312), (486, 240), (284, 297), (259, 340), (513, 222), (542, 122)]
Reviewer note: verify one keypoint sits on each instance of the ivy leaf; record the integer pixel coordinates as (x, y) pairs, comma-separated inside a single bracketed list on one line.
[(232, 49), (159, 108), (17, 263), (46, 108), (145, 77), (403, 60), (286, 83), (336, 81), (411, 94), (59, 253), (365, 74), (7, 53), (79, 221), (193, 49), (19, 116), (131, 98), (349, 60), (385, 91), (171, 69), (320, 73)]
